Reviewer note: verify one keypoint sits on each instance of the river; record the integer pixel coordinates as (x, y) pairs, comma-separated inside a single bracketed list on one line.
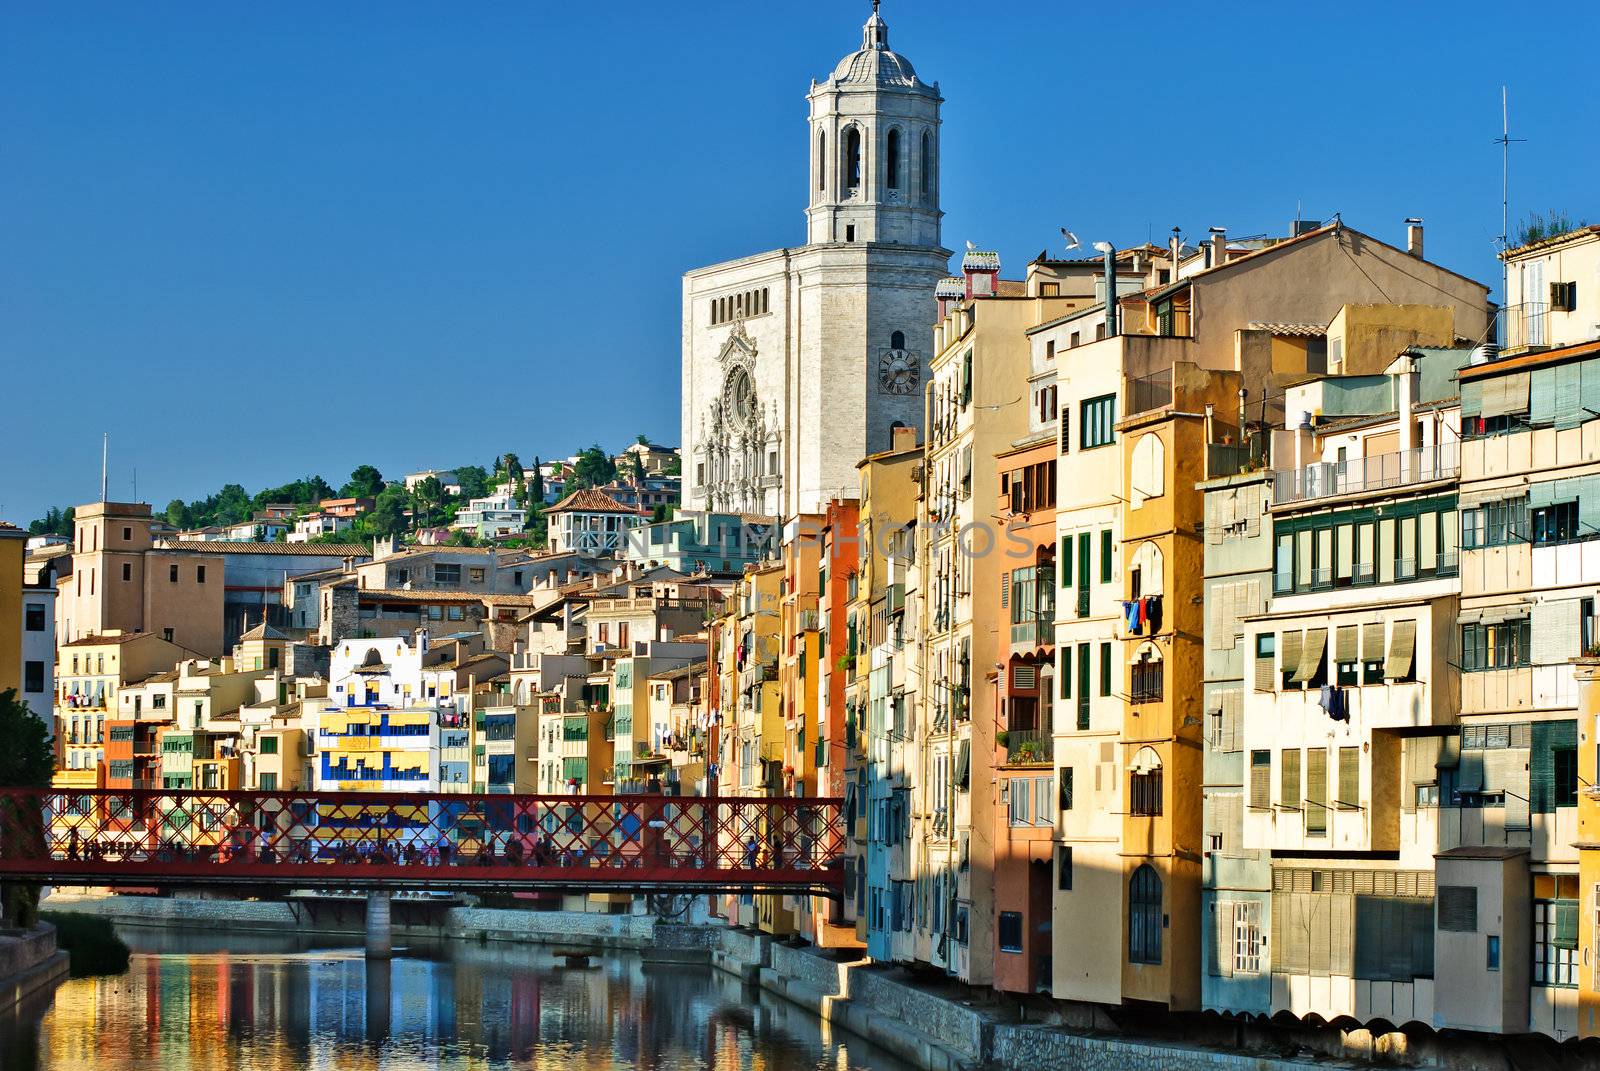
[(193, 1002)]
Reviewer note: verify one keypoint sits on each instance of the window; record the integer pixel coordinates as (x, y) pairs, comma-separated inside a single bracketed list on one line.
[(1496, 645), (897, 340), (1064, 782), (269, 782), (172, 574), (822, 161), (475, 574), (1144, 793), (127, 571), (1491, 952), (1010, 931), (1105, 669), (926, 171), (33, 677), (850, 161), (1105, 556), (1147, 677), (1565, 764), (1266, 662), (1555, 940), (35, 617), (444, 573), (1095, 420), (1144, 916), (892, 161), (1064, 869), (269, 745), (200, 574), (1555, 524), (127, 533), (166, 634)]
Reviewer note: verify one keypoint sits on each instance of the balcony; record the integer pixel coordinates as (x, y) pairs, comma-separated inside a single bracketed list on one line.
[(1525, 326), (1029, 747), (1382, 472), (1033, 634), (1149, 392)]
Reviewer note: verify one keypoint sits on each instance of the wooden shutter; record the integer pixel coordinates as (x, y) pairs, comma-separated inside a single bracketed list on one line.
[(1290, 644), (1402, 650), (1347, 644), (1350, 777), (1266, 673), (1289, 778), (1260, 780), (1231, 701), (1317, 790), (1222, 938), (1458, 908), (1316, 644)]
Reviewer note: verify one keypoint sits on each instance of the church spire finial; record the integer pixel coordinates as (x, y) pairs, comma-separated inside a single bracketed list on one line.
[(875, 34)]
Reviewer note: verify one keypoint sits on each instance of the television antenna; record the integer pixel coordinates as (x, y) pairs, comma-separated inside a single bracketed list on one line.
[(1505, 141)]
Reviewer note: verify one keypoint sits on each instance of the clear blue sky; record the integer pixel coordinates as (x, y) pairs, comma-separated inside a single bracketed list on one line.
[(259, 241)]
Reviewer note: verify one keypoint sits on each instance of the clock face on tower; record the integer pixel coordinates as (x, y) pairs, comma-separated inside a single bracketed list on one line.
[(899, 372)]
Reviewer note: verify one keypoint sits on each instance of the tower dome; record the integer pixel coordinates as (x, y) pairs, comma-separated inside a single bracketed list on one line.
[(874, 64)]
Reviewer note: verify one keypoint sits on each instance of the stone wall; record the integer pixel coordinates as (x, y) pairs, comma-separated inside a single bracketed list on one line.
[(29, 964), (1042, 1048)]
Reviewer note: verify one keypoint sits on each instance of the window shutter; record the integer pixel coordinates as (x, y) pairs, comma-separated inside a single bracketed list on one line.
[(1214, 517), (1260, 780), (1347, 645), (1402, 651), (1372, 642), (1505, 394), (1231, 702), (1555, 632), (1316, 644), (1005, 591), (1317, 790), (963, 763), (1066, 561), (1566, 935), (1542, 397), (1266, 675), (1289, 778), (1547, 737), (1350, 777), (1458, 908), (1291, 644), (1506, 770), (1222, 939)]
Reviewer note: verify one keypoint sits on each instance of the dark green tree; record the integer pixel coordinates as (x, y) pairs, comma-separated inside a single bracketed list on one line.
[(178, 514), (26, 761), (426, 497), (474, 481), (536, 482), (365, 482), (387, 516), (54, 522), (594, 468)]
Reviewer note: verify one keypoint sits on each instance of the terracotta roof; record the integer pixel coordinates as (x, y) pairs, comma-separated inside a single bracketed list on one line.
[(265, 631), (303, 550), (101, 641), (402, 595), (1290, 330), (589, 500)]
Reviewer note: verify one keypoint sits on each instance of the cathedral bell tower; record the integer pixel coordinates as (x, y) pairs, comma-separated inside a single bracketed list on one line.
[(874, 149)]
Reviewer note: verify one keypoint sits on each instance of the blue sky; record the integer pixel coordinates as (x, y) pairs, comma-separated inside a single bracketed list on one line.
[(259, 241)]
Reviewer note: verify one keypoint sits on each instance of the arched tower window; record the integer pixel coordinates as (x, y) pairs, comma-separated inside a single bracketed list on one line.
[(927, 163), (897, 341), (892, 160), (851, 158), (822, 160)]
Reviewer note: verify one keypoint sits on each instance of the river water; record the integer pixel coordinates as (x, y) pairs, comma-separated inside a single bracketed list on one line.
[(192, 1002)]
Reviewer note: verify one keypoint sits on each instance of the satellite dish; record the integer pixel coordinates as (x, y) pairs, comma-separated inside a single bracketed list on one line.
[(1072, 239)]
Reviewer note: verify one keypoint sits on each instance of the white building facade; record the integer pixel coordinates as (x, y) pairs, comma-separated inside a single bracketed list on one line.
[(799, 362)]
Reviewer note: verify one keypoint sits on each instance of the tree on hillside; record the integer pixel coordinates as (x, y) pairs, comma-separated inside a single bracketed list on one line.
[(232, 505), (642, 439), (26, 761), (426, 497), (473, 479), (178, 514), (54, 522), (308, 490), (536, 483), (365, 482), (387, 517), (594, 468), (537, 530)]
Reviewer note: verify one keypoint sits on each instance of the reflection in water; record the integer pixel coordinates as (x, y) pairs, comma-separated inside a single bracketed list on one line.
[(196, 1003)]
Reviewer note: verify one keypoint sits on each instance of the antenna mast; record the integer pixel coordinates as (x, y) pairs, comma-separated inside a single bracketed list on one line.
[(105, 447), (1505, 141)]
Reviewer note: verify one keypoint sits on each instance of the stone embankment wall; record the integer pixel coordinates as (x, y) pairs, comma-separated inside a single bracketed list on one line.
[(29, 964)]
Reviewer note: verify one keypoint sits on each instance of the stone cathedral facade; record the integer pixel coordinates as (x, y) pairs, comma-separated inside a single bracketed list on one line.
[(799, 362)]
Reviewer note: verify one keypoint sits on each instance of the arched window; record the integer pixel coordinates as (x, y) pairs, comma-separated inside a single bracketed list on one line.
[(1144, 782), (851, 158), (893, 160), (822, 160), (926, 169), (1148, 472), (1144, 916), (897, 341), (1147, 679), (1146, 578)]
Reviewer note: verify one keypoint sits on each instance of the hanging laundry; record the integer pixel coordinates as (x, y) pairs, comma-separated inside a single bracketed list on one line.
[(1152, 613)]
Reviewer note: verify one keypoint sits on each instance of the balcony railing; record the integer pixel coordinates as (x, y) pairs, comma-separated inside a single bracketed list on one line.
[(1325, 479), (1149, 392), (1033, 633), (1525, 326), (1027, 746)]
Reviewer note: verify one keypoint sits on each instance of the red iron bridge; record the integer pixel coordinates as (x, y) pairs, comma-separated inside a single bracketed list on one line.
[(434, 841)]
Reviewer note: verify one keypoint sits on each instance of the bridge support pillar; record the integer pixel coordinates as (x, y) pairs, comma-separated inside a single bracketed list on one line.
[(380, 943)]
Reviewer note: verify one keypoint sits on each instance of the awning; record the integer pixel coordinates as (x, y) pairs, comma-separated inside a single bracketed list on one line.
[(963, 763), (1372, 641), (1289, 657), (1311, 653), (1402, 650)]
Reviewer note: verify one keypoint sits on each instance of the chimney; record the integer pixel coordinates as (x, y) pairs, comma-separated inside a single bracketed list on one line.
[(1414, 237), (1219, 246), (949, 292), (1176, 246), (904, 439)]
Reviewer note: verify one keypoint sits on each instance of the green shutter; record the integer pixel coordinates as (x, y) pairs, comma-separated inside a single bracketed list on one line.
[(1083, 574), (1083, 687), (1548, 737), (1542, 397), (1105, 669), (1105, 556), (1566, 912), (1066, 560), (1569, 396)]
